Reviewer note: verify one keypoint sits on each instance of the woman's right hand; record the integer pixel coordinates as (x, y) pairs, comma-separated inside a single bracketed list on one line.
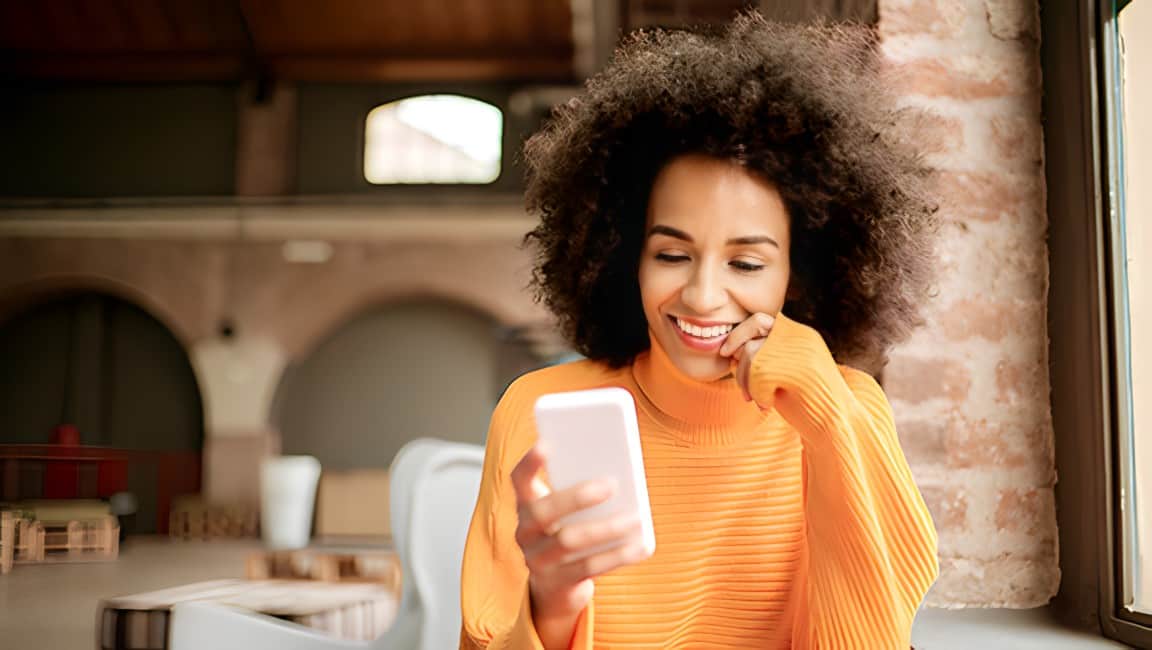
[(560, 585)]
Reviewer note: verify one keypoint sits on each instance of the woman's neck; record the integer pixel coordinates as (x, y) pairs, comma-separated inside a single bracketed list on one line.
[(714, 411)]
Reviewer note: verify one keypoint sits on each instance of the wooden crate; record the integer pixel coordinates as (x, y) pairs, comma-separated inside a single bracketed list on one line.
[(192, 518), (80, 541), (370, 567), (71, 541), (7, 541), (29, 546)]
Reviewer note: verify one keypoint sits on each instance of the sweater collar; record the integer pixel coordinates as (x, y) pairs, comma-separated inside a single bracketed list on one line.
[(704, 410)]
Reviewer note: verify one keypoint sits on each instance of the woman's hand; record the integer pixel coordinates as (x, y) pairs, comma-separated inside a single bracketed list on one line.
[(560, 570), (742, 344)]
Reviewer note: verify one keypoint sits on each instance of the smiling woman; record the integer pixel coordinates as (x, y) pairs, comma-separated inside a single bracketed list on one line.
[(724, 222)]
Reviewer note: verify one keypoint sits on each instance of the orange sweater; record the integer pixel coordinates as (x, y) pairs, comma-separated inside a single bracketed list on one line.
[(795, 524)]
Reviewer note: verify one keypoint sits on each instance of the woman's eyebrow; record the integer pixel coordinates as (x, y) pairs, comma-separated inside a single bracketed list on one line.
[(753, 239), (671, 232), (749, 240)]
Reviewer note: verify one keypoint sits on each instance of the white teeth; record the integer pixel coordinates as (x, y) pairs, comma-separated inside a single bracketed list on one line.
[(703, 332)]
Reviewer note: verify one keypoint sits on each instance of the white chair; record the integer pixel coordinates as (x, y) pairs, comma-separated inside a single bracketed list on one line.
[(433, 492)]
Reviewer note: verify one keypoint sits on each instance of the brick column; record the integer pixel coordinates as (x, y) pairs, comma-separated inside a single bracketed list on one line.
[(970, 391)]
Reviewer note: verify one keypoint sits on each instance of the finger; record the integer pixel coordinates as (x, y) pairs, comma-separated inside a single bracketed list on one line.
[(547, 511), (571, 541), (756, 326), (599, 564), (736, 339), (526, 477)]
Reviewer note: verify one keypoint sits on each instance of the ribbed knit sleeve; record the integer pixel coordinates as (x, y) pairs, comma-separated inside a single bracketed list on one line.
[(494, 599), (871, 542)]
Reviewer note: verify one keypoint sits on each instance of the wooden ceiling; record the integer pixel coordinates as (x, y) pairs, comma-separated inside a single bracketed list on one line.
[(302, 40)]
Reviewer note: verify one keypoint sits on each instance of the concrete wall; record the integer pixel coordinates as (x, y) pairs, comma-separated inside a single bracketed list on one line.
[(103, 365), (971, 390), (122, 140), (393, 373)]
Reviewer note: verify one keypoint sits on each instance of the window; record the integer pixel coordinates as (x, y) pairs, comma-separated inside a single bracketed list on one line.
[(1096, 67), (1128, 79), (433, 139)]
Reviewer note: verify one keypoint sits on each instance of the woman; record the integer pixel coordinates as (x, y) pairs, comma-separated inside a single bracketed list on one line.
[(723, 222)]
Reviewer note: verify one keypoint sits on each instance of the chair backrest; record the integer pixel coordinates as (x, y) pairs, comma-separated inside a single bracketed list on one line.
[(441, 511), (433, 493), (408, 463)]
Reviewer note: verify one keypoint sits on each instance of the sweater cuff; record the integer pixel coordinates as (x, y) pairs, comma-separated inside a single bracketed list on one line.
[(523, 633), (795, 365)]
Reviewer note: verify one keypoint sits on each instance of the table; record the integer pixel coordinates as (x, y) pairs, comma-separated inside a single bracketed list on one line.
[(356, 611)]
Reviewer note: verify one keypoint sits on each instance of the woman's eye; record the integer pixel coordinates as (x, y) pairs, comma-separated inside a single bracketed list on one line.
[(746, 267), (671, 257)]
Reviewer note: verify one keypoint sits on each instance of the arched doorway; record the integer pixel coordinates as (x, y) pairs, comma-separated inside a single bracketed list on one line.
[(391, 374), (122, 379)]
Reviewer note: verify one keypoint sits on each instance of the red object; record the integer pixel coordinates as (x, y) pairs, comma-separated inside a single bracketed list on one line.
[(165, 474), (111, 477), (66, 434)]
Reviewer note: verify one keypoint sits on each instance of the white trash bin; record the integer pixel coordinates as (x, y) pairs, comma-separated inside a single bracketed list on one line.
[(287, 495)]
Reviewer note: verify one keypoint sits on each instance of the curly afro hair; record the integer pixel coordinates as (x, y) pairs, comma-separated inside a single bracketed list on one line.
[(805, 107)]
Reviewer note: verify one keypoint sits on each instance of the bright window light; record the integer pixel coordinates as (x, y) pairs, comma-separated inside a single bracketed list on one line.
[(433, 139)]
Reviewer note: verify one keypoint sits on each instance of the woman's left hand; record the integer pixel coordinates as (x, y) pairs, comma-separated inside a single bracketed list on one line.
[(743, 342)]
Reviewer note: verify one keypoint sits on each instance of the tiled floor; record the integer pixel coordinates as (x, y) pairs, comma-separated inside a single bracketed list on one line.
[(53, 607)]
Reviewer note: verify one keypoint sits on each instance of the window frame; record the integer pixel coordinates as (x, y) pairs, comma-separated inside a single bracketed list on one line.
[(1087, 422)]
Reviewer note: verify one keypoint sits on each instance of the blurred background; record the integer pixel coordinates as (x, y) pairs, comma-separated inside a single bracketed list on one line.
[(238, 231)]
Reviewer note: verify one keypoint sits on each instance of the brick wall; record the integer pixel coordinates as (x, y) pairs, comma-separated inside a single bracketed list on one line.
[(970, 391)]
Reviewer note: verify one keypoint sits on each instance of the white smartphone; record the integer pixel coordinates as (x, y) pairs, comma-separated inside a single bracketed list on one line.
[(592, 434)]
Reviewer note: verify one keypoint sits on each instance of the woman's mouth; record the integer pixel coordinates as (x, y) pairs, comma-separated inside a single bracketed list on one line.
[(703, 337)]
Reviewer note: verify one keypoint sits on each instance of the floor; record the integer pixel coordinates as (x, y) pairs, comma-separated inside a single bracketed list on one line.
[(53, 607)]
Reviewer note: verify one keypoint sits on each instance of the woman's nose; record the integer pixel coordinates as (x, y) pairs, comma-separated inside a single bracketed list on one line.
[(704, 293)]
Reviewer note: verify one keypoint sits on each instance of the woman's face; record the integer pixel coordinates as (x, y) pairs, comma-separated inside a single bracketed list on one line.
[(715, 252)]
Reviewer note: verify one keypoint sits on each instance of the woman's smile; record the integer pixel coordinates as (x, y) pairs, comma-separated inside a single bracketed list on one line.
[(704, 336)]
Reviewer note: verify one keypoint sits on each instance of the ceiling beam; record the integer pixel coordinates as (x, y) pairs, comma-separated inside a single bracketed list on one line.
[(223, 67)]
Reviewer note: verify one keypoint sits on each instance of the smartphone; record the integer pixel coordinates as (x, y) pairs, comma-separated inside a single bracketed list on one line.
[(592, 434)]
